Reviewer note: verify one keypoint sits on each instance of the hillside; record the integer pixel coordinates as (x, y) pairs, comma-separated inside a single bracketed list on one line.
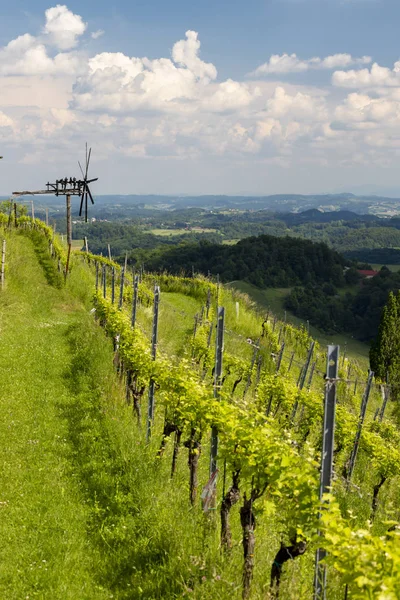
[(265, 261), (90, 508)]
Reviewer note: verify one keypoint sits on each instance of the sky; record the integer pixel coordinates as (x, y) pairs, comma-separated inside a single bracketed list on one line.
[(210, 97)]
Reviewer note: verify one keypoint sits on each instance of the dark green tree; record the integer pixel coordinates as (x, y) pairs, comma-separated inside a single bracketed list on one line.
[(385, 350)]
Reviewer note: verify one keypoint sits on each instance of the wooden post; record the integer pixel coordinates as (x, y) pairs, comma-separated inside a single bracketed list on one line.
[(104, 281), (97, 275), (253, 362), (69, 232), (15, 215), (135, 299), (291, 361), (311, 374), (47, 215), (112, 284), (208, 303), (219, 351), (386, 394), (121, 289), (302, 377), (3, 264), (109, 251), (328, 439), (86, 245), (32, 210), (280, 356), (154, 339), (363, 410)]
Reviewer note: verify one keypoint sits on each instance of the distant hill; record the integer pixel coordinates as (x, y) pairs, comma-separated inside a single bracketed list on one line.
[(265, 261), (314, 215), (281, 203)]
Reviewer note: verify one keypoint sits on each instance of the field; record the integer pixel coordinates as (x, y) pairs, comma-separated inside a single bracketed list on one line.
[(393, 268), (273, 299), (168, 232)]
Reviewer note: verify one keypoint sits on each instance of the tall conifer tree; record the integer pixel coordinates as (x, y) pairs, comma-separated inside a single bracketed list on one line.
[(385, 351)]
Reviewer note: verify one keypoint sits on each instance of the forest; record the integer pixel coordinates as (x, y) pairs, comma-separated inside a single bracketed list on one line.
[(265, 261)]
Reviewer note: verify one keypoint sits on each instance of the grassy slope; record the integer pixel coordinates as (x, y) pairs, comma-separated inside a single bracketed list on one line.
[(273, 299), (79, 488), (43, 519)]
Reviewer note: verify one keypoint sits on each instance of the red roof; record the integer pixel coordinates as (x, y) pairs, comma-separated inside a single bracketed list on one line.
[(367, 272)]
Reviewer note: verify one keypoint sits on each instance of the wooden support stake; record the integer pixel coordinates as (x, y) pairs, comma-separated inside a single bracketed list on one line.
[(86, 244), (109, 251), (112, 285), (361, 418), (15, 215), (104, 281), (291, 362), (47, 216), (154, 340), (386, 394), (3, 264), (328, 440), (302, 378), (97, 275), (135, 299), (69, 231), (121, 289), (219, 351), (253, 362), (280, 356)]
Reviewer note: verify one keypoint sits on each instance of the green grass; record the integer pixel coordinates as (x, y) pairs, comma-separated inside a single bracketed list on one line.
[(394, 268), (167, 232), (88, 511), (273, 299)]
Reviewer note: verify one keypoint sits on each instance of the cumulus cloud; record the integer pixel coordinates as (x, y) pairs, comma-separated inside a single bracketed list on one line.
[(175, 107), (63, 27), (120, 83), (299, 105), (291, 63), (376, 76), (186, 53), (33, 55)]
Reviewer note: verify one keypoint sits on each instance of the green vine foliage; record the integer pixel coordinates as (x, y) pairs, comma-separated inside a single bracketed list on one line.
[(274, 455)]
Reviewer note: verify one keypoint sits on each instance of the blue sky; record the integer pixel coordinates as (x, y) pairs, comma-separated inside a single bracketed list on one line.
[(218, 115)]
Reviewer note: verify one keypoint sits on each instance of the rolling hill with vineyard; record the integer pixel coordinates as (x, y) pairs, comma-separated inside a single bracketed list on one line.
[(162, 438)]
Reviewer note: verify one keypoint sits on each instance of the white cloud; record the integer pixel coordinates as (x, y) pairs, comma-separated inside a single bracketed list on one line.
[(97, 34), (5, 121), (290, 63), (32, 55), (186, 53), (63, 27), (368, 78), (174, 107), (299, 106)]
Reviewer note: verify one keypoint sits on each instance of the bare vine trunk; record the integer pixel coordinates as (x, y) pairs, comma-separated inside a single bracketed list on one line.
[(284, 554), (375, 502), (229, 500), (177, 443), (194, 453), (169, 428), (248, 526)]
